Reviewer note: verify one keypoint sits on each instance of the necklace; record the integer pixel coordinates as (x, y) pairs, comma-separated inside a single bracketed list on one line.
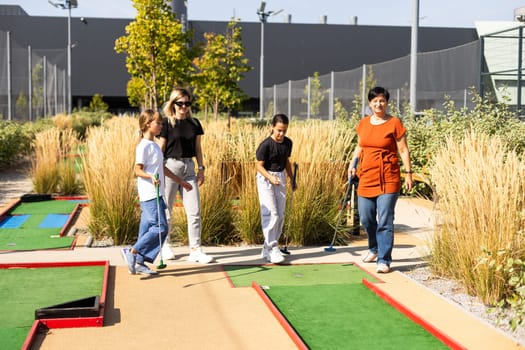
[(375, 120)]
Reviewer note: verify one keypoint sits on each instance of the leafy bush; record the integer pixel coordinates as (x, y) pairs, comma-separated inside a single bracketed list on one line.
[(109, 179), (16, 138)]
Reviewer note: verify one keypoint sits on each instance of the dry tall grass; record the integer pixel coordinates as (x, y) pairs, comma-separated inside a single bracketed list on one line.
[(108, 170), (480, 190), (322, 150), (48, 172)]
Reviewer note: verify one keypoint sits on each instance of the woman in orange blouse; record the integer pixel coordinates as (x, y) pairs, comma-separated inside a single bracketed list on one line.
[(381, 137)]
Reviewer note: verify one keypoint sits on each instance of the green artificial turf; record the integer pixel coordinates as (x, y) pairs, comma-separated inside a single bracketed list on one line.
[(296, 275), (33, 239), (26, 289), (330, 308), (45, 207)]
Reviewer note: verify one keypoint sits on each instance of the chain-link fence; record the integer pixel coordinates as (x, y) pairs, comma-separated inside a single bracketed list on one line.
[(450, 74), (32, 82)]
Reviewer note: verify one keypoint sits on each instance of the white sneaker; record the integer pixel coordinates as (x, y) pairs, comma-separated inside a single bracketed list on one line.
[(383, 268), (167, 253), (265, 253), (275, 255), (370, 257), (199, 256)]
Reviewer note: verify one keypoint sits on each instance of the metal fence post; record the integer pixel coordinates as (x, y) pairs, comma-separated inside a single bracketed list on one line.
[(44, 85), (309, 99), (331, 102), (30, 83), (363, 92), (9, 86), (55, 87), (289, 99), (274, 99)]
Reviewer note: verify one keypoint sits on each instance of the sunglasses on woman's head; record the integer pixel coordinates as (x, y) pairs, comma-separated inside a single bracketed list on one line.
[(180, 104)]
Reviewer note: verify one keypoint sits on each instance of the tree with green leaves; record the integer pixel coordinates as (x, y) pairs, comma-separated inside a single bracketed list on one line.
[(219, 70), (158, 53), (357, 103), (37, 93), (316, 93)]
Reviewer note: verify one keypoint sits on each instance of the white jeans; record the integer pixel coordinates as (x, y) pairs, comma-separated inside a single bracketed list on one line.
[(272, 199), (185, 169)]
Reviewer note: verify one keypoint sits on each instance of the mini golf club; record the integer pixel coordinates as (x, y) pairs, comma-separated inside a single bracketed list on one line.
[(161, 264)]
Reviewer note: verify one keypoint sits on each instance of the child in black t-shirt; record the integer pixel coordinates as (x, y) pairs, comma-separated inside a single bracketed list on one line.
[(273, 156)]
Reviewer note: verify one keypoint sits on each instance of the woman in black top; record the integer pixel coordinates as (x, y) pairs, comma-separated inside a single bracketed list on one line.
[(180, 140), (272, 161)]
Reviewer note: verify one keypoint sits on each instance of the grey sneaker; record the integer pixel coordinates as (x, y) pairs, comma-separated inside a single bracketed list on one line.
[(265, 253), (130, 258), (144, 270)]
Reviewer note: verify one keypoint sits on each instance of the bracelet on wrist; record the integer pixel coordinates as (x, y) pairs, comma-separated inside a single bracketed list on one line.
[(408, 172)]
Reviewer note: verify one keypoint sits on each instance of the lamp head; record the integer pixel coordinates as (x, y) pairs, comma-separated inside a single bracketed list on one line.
[(262, 7)]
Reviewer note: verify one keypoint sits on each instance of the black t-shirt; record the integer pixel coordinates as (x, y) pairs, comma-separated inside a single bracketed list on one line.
[(274, 154), (180, 139)]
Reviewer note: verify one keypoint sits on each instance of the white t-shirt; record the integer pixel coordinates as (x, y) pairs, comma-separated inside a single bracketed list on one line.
[(149, 154)]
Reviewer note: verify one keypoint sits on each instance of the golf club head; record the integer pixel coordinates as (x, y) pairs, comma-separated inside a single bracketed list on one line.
[(285, 251), (329, 249)]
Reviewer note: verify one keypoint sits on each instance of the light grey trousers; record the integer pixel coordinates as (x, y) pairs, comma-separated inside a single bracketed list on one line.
[(185, 169), (272, 199)]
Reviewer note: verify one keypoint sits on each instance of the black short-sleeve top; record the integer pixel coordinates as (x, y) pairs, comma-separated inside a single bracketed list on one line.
[(274, 154), (180, 138)]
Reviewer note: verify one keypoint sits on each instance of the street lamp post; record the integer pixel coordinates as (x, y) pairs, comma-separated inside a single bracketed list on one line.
[(263, 17), (67, 5)]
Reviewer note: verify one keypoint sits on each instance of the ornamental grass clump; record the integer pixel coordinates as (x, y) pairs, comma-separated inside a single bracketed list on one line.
[(109, 179), (321, 150), (49, 171), (480, 196), (240, 176)]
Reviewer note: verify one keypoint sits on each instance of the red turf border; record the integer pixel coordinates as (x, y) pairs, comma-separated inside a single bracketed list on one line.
[(298, 341), (448, 341), (451, 343), (97, 321)]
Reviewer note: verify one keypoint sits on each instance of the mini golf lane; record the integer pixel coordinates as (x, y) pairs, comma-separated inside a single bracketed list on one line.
[(38, 225), (50, 295), (335, 306)]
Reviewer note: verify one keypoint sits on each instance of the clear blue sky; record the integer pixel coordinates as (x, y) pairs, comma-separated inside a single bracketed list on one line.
[(433, 13)]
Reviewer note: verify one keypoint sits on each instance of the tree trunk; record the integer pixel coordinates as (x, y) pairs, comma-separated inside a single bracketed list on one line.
[(216, 109)]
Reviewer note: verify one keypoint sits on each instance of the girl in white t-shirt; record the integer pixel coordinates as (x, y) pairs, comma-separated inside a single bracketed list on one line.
[(150, 170)]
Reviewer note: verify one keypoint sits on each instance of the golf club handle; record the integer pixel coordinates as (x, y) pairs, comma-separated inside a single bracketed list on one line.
[(294, 176), (157, 186), (354, 166)]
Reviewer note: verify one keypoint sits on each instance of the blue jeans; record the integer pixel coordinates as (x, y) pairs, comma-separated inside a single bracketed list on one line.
[(148, 244), (377, 217)]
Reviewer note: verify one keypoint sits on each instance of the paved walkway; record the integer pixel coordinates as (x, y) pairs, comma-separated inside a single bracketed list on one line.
[(192, 306)]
